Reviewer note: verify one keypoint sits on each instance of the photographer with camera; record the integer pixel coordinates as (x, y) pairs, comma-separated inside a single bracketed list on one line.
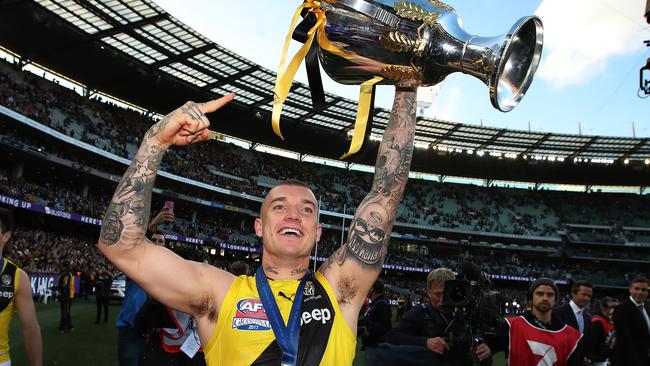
[(426, 326), (538, 337)]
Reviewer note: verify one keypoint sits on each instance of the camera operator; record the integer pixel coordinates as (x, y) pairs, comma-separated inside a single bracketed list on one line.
[(537, 337), (425, 326)]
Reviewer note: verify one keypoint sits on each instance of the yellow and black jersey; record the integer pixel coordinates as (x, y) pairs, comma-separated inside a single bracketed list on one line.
[(9, 282), (243, 334)]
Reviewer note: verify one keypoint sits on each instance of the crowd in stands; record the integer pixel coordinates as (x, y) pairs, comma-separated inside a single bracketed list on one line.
[(456, 206)]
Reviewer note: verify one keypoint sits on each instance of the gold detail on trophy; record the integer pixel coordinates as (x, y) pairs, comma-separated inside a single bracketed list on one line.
[(415, 12), (399, 72), (397, 42), (441, 5)]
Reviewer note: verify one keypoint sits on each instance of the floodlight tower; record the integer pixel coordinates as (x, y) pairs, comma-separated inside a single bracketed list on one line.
[(426, 96)]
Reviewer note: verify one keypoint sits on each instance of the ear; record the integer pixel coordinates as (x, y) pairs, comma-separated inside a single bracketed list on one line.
[(258, 227), (319, 231)]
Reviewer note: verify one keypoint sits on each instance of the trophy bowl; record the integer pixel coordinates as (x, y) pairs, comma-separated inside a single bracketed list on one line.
[(419, 43)]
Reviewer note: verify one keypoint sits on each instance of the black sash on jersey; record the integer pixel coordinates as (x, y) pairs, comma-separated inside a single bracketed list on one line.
[(7, 284)]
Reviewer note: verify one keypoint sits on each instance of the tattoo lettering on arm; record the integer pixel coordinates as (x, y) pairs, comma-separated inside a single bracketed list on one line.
[(128, 213), (371, 226)]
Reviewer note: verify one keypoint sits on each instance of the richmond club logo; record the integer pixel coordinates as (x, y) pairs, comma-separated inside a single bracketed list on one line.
[(250, 315), (6, 280)]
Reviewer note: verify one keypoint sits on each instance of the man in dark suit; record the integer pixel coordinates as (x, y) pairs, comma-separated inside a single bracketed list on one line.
[(574, 315), (632, 326)]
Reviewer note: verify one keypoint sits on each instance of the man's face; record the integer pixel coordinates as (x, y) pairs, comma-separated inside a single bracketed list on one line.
[(435, 294), (582, 297), (4, 237), (543, 298), (639, 291), (158, 239), (288, 222)]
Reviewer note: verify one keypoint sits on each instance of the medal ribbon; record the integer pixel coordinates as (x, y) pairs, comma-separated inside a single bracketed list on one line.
[(287, 336)]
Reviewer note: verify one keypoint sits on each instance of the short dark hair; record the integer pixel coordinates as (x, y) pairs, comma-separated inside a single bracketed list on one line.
[(291, 182), (639, 278), (582, 283), (378, 287), (286, 182), (6, 220), (238, 268)]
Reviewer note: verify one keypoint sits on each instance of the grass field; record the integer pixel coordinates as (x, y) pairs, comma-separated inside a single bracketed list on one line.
[(89, 344)]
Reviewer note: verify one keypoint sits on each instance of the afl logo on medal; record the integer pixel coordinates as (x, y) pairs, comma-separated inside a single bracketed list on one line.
[(6, 280)]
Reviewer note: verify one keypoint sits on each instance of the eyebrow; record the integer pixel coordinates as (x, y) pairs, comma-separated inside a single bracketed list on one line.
[(284, 199)]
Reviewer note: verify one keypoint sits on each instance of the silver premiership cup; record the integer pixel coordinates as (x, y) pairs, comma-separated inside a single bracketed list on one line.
[(419, 43)]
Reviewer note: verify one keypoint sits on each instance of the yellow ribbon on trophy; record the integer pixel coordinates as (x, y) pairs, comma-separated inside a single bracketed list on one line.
[(285, 76)]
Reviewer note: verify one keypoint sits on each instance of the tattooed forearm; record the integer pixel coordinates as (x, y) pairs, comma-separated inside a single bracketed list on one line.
[(370, 229), (128, 213)]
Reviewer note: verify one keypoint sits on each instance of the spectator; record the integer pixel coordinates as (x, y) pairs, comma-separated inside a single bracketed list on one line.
[(633, 327), (574, 314), (602, 335), (377, 322)]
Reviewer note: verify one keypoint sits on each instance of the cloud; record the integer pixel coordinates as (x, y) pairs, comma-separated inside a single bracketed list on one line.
[(581, 35)]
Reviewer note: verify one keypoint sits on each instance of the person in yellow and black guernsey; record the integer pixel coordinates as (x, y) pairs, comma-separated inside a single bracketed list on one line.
[(16, 294), (65, 286), (284, 314)]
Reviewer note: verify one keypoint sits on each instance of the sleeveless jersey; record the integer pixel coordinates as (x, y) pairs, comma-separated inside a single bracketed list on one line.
[(9, 282), (532, 346), (243, 334)]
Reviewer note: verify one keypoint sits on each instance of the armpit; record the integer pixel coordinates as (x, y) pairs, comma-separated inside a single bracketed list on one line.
[(205, 306), (347, 289)]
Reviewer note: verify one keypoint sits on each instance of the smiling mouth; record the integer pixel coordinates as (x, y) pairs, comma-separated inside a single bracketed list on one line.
[(289, 231)]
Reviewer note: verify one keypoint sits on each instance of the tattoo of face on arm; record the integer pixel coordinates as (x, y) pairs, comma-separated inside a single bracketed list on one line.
[(370, 229), (128, 213)]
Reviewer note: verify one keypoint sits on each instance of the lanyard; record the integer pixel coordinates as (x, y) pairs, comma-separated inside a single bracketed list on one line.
[(287, 336)]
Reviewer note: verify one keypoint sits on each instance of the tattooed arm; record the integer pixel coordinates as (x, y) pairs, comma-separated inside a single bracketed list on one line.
[(188, 286), (354, 267)]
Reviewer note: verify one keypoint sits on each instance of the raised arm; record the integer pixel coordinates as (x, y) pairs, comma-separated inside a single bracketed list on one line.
[(188, 286), (353, 268)]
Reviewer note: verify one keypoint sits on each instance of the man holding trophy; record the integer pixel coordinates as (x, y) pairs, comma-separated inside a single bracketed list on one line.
[(285, 314)]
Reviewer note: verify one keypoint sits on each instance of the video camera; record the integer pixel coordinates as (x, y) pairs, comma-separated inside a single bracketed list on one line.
[(478, 312)]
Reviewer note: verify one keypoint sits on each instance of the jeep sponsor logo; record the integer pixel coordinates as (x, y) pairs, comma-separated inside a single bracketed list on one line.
[(7, 294), (317, 315)]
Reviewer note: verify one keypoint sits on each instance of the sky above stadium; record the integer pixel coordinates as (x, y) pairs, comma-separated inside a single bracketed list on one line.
[(588, 80)]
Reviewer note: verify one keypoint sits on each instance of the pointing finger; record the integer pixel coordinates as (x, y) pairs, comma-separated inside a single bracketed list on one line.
[(215, 104)]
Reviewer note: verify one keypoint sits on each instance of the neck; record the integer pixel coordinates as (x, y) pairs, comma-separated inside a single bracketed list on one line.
[(294, 270), (542, 317)]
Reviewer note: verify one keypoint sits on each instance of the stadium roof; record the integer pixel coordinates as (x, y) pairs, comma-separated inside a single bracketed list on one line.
[(141, 36)]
